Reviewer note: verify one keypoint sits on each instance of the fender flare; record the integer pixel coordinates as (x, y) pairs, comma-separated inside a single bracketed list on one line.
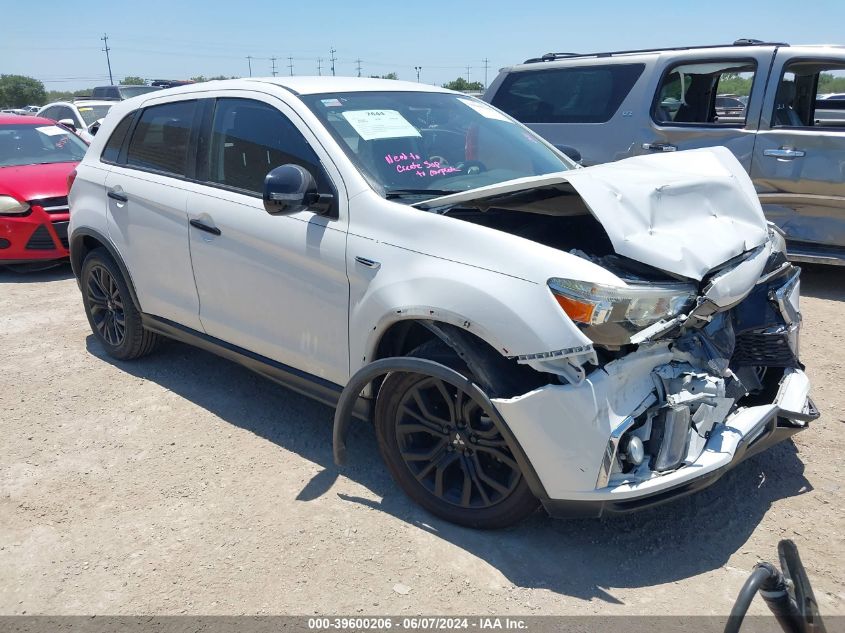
[(368, 373), (76, 263)]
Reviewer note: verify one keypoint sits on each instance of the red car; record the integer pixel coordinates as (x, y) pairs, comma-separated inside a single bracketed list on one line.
[(36, 157)]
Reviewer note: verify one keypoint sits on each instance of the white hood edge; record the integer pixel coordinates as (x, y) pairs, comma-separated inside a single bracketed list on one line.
[(685, 212)]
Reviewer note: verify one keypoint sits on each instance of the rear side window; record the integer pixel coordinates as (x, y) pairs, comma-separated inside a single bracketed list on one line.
[(582, 94), (160, 140), (705, 93), (112, 149), (248, 139)]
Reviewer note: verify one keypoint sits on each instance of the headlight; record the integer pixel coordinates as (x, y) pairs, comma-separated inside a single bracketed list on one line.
[(11, 206), (613, 313)]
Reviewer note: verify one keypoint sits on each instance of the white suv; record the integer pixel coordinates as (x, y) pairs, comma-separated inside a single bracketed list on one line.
[(519, 329)]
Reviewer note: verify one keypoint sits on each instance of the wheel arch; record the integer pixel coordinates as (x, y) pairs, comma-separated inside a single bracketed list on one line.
[(85, 240), (381, 367)]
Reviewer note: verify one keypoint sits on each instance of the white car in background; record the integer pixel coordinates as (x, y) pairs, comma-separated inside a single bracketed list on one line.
[(519, 329), (81, 115)]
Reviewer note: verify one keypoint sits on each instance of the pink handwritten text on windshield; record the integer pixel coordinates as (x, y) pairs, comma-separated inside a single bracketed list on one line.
[(405, 162)]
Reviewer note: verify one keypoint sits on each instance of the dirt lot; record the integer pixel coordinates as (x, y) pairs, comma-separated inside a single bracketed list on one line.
[(183, 483)]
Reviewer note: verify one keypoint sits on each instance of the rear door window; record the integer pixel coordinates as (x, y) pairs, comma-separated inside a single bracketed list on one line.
[(581, 94), (705, 93), (161, 138)]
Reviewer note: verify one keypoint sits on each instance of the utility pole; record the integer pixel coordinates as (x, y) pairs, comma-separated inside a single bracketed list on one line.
[(467, 74), (105, 40), (486, 66), (319, 65), (418, 69), (358, 62), (249, 61), (290, 65), (333, 58), (273, 59)]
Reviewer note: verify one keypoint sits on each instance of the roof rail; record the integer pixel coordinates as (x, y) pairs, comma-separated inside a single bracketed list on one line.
[(550, 57)]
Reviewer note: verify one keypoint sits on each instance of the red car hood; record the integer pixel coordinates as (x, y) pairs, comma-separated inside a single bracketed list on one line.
[(31, 182)]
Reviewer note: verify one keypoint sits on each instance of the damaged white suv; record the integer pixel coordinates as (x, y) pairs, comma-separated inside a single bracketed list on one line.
[(520, 330)]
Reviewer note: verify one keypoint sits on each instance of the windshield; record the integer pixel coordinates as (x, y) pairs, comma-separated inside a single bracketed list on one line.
[(127, 92), (38, 145), (430, 143), (91, 113)]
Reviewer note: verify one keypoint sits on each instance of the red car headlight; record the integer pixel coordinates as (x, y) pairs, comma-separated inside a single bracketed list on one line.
[(12, 206)]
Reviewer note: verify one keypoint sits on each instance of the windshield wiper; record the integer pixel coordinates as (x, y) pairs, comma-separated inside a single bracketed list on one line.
[(401, 193)]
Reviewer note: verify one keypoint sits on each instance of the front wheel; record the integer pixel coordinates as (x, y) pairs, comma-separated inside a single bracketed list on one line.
[(445, 452)]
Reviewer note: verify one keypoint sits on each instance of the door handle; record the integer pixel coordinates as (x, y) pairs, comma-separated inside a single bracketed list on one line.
[(114, 195), (660, 147), (205, 227), (369, 263), (784, 152)]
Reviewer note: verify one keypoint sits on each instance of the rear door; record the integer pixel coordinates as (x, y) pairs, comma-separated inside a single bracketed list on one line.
[(682, 111), (799, 160), (148, 221)]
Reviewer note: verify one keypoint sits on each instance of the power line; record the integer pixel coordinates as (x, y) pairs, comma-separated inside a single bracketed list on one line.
[(333, 58), (105, 40)]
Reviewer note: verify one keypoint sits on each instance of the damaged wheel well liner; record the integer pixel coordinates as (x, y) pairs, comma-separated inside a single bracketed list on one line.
[(379, 368), (498, 375)]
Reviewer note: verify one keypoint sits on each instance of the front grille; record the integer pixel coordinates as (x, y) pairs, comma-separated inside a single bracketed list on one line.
[(58, 204), (41, 240), (770, 349), (61, 232)]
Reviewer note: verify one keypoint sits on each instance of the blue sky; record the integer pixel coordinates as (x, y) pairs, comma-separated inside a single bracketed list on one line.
[(179, 39)]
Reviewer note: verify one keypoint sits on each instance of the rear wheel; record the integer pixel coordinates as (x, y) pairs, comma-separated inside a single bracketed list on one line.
[(445, 452), (113, 316)]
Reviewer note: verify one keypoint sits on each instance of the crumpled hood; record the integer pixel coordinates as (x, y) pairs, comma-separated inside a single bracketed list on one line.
[(684, 212)]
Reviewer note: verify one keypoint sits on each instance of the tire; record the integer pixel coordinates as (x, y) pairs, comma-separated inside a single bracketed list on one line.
[(112, 314), (450, 459)]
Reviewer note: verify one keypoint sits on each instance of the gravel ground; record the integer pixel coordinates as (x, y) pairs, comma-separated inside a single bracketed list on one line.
[(183, 483)]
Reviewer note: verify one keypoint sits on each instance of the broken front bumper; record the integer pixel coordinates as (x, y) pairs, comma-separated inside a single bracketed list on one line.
[(566, 477)]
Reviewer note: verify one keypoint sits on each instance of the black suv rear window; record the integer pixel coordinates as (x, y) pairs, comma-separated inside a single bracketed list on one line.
[(582, 94)]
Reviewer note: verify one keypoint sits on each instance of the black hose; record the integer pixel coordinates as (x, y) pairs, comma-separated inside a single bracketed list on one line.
[(767, 579)]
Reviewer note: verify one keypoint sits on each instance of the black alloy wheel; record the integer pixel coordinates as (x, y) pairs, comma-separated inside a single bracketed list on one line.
[(111, 310), (106, 305), (452, 448), (444, 451)]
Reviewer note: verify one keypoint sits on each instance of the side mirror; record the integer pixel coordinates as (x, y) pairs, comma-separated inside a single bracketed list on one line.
[(68, 123), (571, 152), (291, 188), (802, 592)]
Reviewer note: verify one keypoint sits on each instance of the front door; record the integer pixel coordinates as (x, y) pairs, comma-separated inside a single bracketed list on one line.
[(274, 285), (799, 159)]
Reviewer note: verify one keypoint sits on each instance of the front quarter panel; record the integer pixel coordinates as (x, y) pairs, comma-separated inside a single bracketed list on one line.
[(416, 279)]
